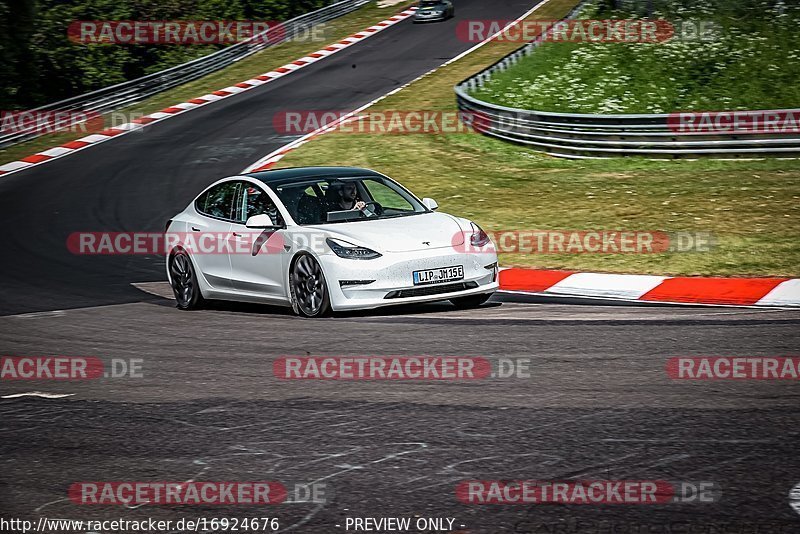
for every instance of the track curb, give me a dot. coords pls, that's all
(735, 291)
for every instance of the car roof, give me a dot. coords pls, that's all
(299, 174)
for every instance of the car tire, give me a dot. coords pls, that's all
(308, 287)
(472, 301)
(184, 282)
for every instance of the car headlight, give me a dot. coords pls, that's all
(478, 237)
(343, 249)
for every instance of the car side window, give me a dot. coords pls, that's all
(218, 201)
(252, 200)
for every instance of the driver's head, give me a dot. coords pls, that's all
(348, 191)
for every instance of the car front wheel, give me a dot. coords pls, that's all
(184, 282)
(309, 290)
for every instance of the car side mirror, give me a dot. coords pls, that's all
(261, 221)
(430, 204)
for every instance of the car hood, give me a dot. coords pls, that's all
(402, 234)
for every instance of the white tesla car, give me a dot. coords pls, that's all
(325, 238)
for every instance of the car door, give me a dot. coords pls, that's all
(209, 232)
(258, 255)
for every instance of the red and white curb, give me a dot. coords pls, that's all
(110, 133)
(769, 292)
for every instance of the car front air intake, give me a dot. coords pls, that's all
(430, 290)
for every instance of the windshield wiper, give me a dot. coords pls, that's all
(402, 215)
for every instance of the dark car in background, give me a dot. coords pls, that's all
(434, 10)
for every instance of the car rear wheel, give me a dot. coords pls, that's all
(309, 290)
(184, 282)
(472, 301)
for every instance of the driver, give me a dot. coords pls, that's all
(346, 198)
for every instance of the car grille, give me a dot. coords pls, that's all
(430, 290)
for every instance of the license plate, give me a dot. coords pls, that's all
(437, 276)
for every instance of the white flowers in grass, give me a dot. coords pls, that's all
(656, 77)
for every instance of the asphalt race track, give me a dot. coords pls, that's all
(598, 404)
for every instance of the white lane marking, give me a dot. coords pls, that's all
(39, 315)
(794, 498)
(41, 394)
(58, 313)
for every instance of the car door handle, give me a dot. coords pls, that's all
(195, 229)
(236, 234)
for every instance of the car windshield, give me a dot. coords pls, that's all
(430, 3)
(335, 200)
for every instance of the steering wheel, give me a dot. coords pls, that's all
(377, 209)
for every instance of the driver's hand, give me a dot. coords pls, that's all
(360, 205)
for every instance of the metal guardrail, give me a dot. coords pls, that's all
(124, 94)
(573, 135)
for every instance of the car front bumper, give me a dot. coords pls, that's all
(392, 279)
(429, 18)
